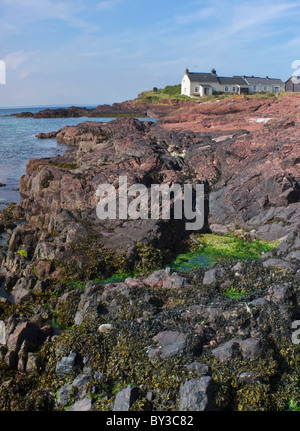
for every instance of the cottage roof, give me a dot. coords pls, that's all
(255, 80)
(202, 77)
(212, 78)
(235, 80)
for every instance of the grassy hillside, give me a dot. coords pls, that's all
(157, 95)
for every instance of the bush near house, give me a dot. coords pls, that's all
(158, 95)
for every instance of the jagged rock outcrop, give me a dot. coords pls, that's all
(253, 145)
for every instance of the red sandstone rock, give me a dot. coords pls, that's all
(29, 332)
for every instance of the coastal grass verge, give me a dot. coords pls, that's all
(156, 96)
(173, 93)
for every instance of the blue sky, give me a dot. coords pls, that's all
(65, 52)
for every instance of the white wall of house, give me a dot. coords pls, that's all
(216, 87)
(186, 86)
(195, 88)
(266, 88)
(205, 90)
(228, 88)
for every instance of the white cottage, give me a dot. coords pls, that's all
(201, 84)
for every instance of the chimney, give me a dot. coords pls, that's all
(267, 77)
(186, 71)
(213, 72)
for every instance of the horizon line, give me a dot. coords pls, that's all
(79, 105)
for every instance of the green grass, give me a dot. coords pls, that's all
(220, 96)
(170, 92)
(173, 92)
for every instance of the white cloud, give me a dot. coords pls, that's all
(239, 26)
(14, 60)
(265, 13)
(24, 12)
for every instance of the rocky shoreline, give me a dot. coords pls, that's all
(132, 108)
(217, 338)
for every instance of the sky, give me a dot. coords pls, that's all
(91, 52)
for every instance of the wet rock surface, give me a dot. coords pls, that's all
(125, 399)
(208, 339)
(197, 395)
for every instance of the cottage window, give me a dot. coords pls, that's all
(254, 87)
(266, 88)
(226, 88)
(233, 89)
(197, 89)
(276, 89)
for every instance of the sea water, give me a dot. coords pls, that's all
(18, 144)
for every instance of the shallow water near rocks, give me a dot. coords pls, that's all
(18, 144)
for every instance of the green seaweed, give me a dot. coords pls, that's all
(65, 165)
(294, 406)
(213, 248)
(23, 253)
(233, 247)
(77, 284)
(232, 293)
(118, 277)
